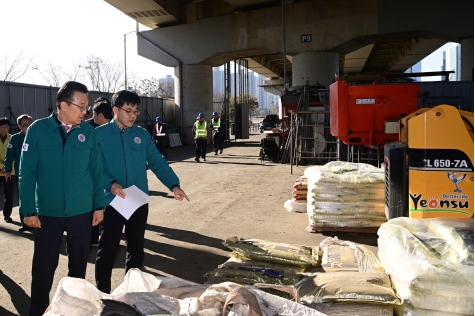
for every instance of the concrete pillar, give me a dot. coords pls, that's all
(197, 94)
(467, 60)
(314, 67)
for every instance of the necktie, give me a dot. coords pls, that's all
(67, 127)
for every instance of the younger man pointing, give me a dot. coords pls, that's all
(126, 150)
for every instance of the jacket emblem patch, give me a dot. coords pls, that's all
(137, 140)
(81, 138)
(10, 146)
(24, 147)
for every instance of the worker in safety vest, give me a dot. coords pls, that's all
(215, 126)
(200, 130)
(159, 136)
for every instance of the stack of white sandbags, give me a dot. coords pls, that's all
(298, 203)
(344, 194)
(431, 264)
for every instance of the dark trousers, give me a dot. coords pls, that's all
(110, 240)
(46, 254)
(18, 195)
(217, 142)
(8, 192)
(201, 147)
(160, 142)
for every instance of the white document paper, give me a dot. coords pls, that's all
(134, 198)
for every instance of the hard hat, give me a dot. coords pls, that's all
(201, 115)
(215, 113)
(159, 118)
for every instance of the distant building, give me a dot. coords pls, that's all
(452, 60)
(218, 81)
(443, 67)
(267, 101)
(168, 79)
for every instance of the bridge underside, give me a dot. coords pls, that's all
(372, 37)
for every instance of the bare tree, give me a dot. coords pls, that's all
(133, 82)
(13, 67)
(75, 74)
(158, 89)
(52, 73)
(104, 75)
(167, 89)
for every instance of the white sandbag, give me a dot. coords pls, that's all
(294, 206)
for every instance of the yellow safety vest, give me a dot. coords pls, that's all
(201, 130)
(215, 124)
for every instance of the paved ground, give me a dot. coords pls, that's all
(232, 194)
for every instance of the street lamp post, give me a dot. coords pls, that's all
(125, 56)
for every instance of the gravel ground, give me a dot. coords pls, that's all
(232, 194)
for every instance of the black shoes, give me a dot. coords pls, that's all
(24, 228)
(197, 159)
(8, 219)
(204, 159)
(221, 151)
(216, 153)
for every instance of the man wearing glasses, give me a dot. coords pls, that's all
(12, 159)
(126, 150)
(60, 183)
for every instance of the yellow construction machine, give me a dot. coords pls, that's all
(429, 173)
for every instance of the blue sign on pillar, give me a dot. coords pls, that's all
(306, 38)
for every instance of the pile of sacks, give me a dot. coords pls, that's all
(431, 264)
(344, 194)
(144, 294)
(260, 261)
(298, 203)
(354, 282)
(350, 279)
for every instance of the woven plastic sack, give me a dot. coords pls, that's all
(352, 309)
(262, 250)
(343, 254)
(360, 287)
(266, 276)
(253, 265)
(426, 259)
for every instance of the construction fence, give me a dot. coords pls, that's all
(40, 101)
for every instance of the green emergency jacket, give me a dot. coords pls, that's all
(14, 152)
(60, 178)
(126, 154)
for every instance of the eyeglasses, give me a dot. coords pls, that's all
(81, 108)
(130, 112)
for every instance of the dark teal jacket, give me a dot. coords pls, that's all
(60, 180)
(14, 152)
(125, 155)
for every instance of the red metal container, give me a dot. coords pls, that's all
(367, 114)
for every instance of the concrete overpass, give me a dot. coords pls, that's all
(359, 39)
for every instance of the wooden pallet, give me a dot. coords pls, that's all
(364, 230)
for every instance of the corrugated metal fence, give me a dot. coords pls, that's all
(456, 93)
(40, 101)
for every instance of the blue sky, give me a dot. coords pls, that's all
(65, 32)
